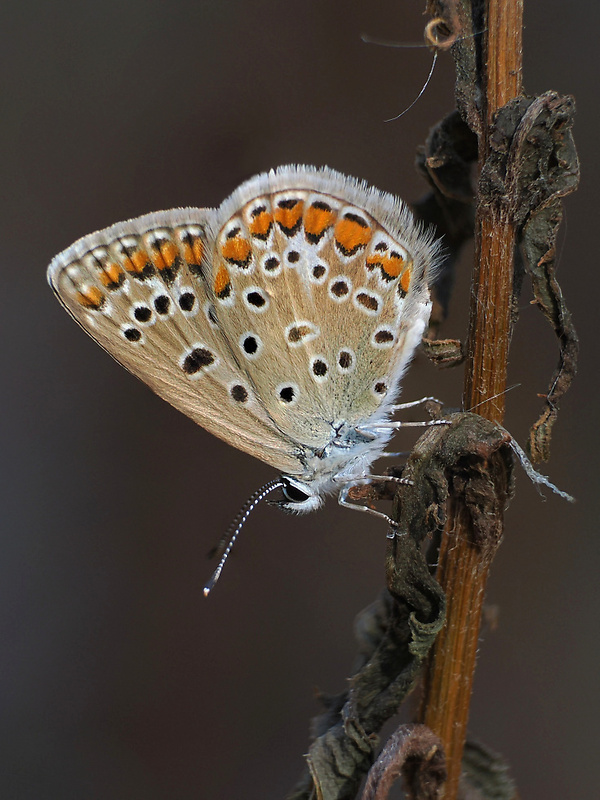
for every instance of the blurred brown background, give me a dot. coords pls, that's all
(118, 680)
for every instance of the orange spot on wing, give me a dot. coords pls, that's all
(111, 275)
(222, 281)
(91, 298)
(317, 220)
(192, 249)
(393, 265)
(163, 253)
(236, 249)
(261, 224)
(169, 252)
(405, 280)
(157, 259)
(138, 260)
(352, 236)
(288, 218)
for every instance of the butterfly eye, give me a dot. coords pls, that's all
(292, 493)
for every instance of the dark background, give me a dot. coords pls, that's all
(117, 679)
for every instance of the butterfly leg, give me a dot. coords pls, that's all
(413, 403)
(382, 478)
(343, 495)
(343, 501)
(381, 428)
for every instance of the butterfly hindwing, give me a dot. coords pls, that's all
(321, 285)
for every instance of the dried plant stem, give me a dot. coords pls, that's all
(463, 565)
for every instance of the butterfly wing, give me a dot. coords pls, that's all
(322, 283)
(292, 308)
(139, 289)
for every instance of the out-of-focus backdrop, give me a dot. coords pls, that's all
(118, 679)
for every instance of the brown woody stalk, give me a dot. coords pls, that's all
(463, 564)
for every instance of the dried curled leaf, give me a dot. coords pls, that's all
(444, 352)
(533, 164)
(469, 456)
(414, 753)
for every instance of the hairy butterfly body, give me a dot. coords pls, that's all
(281, 321)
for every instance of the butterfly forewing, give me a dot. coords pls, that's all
(139, 290)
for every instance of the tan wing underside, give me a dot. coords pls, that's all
(335, 317)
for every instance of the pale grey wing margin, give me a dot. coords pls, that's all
(141, 289)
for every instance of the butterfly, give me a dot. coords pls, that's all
(281, 321)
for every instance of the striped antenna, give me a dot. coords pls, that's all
(237, 525)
